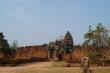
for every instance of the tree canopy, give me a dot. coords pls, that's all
(98, 37)
(97, 40)
(3, 43)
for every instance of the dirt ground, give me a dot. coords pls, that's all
(46, 67)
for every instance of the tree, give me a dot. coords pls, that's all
(97, 39)
(14, 45)
(4, 46)
(109, 42)
(100, 37)
(13, 48)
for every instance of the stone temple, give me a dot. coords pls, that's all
(59, 48)
(68, 42)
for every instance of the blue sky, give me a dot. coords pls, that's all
(33, 22)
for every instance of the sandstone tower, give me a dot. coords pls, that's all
(68, 42)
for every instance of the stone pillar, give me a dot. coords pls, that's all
(85, 65)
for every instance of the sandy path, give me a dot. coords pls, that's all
(46, 67)
(33, 66)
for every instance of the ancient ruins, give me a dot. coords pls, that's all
(62, 49)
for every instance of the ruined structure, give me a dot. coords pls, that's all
(55, 50)
(29, 53)
(59, 49)
(68, 46)
(68, 42)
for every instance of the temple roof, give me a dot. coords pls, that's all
(68, 36)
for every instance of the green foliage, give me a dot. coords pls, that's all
(94, 55)
(97, 39)
(4, 46)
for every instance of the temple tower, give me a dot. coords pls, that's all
(68, 42)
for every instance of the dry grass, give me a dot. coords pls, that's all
(100, 69)
(65, 64)
(60, 64)
(47, 67)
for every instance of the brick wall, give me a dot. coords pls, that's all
(30, 52)
(1, 55)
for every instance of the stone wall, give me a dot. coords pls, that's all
(1, 55)
(77, 54)
(31, 52)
